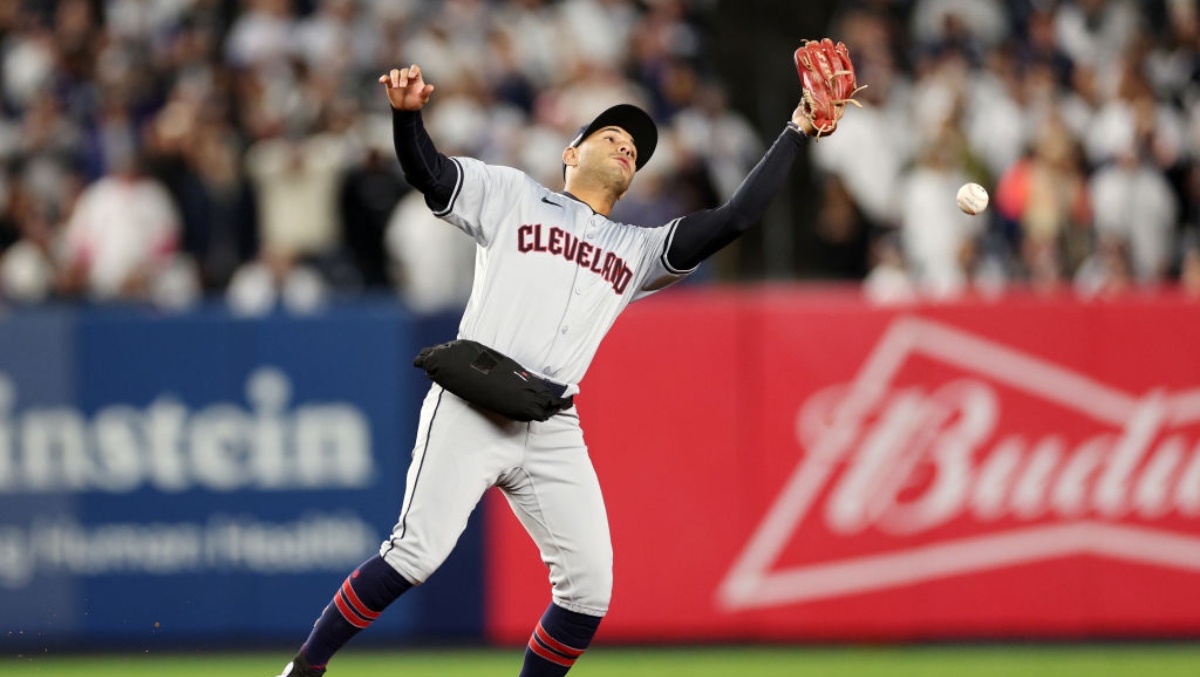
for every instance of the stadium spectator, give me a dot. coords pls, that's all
(934, 232)
(369, 194)
(220, 213)
(28, 267)
(1108, 271)
(889, 281)
(431, 266)
(123, 232)
(1135, 205)
(296, 182)
(1044, 201)
(841, 235)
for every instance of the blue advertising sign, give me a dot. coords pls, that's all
(203, 477)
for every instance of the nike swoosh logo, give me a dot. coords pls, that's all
(549, 202)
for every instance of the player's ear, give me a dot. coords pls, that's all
(570, 156)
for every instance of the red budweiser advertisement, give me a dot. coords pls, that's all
(784, 465)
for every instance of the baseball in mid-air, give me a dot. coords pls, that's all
(972, 198)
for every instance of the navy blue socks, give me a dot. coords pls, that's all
(559, 639)
(557, 642)
(360, 600)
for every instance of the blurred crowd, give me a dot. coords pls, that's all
(1081, 117)
(171, 150)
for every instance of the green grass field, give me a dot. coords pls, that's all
(1139, 660)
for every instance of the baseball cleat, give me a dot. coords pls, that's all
(299, 667)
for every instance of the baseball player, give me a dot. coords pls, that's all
(552, 273)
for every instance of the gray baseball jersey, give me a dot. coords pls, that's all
(551, 277)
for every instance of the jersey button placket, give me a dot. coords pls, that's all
(577, 284)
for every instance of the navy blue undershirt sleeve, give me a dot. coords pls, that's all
(425, 169)
(701, 234)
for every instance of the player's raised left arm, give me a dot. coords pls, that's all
(829, 83)
(701, 234)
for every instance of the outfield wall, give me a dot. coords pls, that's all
(779, 464)
(204, 478)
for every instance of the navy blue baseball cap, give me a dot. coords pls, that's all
(633, 120)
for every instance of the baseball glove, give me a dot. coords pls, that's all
(827, 75)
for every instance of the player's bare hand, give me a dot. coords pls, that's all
(406, 89)
(800, 117)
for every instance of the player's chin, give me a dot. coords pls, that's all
(621, 184)
(619, 180)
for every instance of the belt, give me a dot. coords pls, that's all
(556, 389)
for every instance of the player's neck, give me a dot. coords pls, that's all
(600, 199)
